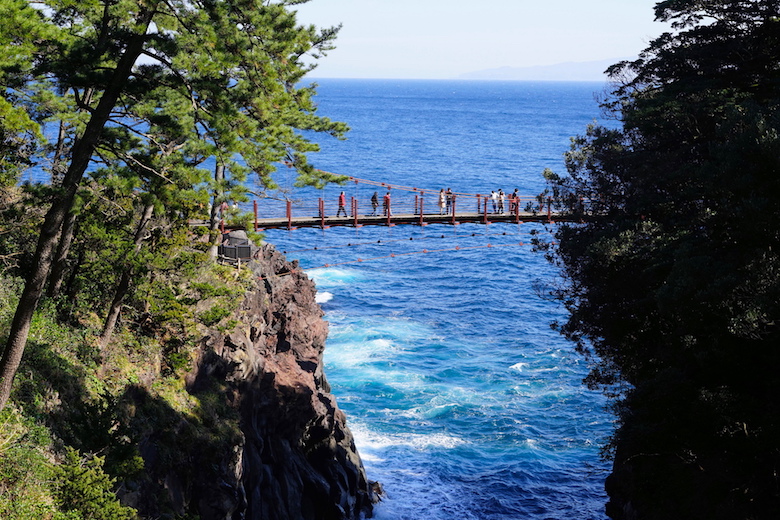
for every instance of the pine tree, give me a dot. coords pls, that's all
(153, 92)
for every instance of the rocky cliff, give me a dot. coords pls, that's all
(291, 455)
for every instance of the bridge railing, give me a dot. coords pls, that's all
(406, 208)
(405, 204)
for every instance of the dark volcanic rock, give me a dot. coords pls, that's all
(294, 457)
(300, 461)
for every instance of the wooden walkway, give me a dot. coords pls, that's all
(294, 222)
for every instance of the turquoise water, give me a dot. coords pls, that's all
(464, 403)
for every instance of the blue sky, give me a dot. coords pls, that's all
(442, 39)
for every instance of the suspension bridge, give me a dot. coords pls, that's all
(391, 205)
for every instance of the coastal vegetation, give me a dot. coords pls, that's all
(673, 276)
(133, 118)
(78, 412)
(146, 115)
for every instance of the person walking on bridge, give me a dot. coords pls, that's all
(374, 203)
(342, 204)
(442, 201)
(387, 204)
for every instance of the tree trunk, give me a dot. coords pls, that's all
(70, 291)
(124, 281)
(214, 235)
(59, 169)
(61, 206)
(116, 306)
(59, 262)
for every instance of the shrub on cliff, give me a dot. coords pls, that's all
(33, 487)
(83, 487)
(26, 473)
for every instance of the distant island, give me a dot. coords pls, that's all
(569, 71)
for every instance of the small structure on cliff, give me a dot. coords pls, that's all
(236, 247)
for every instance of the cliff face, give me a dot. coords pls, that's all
(294, 457)
(299, 458)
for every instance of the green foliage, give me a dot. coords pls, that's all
(19, 218)
(85, 488)
(25, 471)
(105, 403)
(214, 315)
(9, 292)
(208, 290)
(223, 92)
(673, 277)
(32, 487)
(20, 134)
(18, 140)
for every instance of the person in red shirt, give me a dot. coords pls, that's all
(387, 204)
(342, 204)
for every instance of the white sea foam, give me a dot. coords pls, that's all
(430, 411)
(373, 444)
(370, 457)
(373, 344)
(446, 399)
(334, 276)
(412, 488)
(323, 297)
(380, 343)
(399, 330)
(353, 353)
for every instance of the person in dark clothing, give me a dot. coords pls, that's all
(374, 203)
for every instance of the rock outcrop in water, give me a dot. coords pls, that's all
(294, 457)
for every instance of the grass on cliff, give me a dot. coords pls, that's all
(72, 432)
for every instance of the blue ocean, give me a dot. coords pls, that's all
(464, 403)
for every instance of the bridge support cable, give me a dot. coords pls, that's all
(395, 255)
(387, 242)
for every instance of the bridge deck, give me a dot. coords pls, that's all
(406, 206)
(408, 218)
